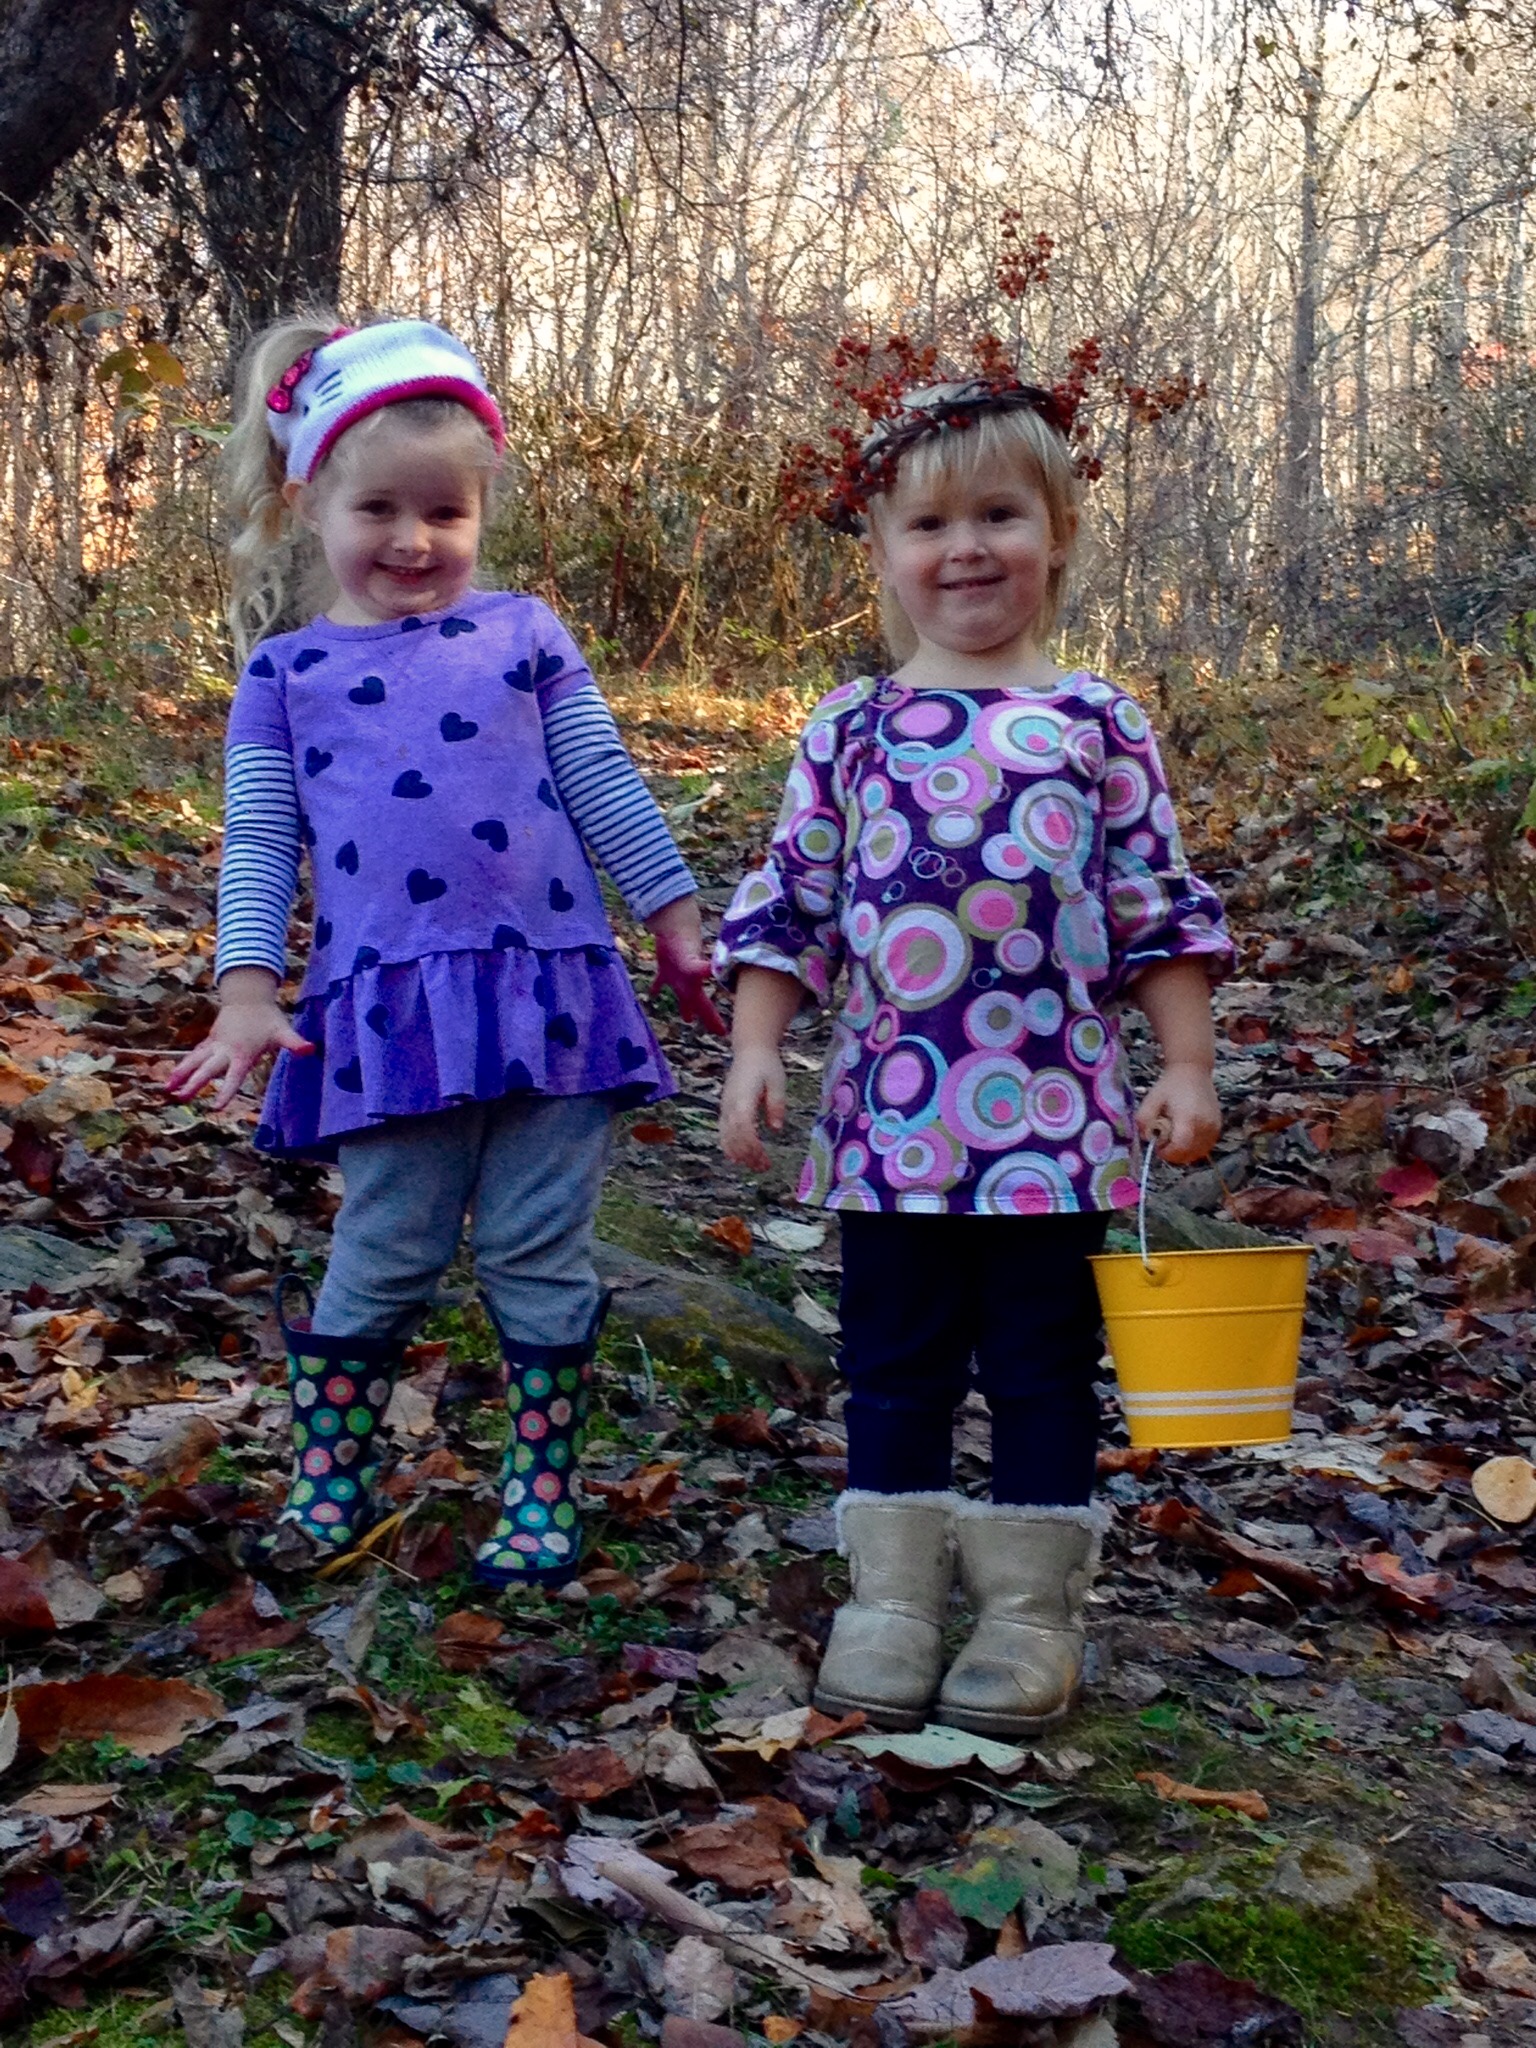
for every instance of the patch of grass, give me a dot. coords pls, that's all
(474, 1723)
(637, 1227)
(1356, 1962)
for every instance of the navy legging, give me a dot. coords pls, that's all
(929, 1300)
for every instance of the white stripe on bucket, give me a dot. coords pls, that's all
(1210, 1401)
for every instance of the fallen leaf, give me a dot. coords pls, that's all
(697, 1981)
(1062, 1981)
(778, 2028)
(545, 2016)
(930, 1931)
(246, 1620)
(147, 1715)
(1195, 2005)
(735, 1233)
(643, 1497)
(653, 1134)
(745, 1851)
(1256, 1663)
(24, 1608)
(680, 2032)
(1021, 1864)
(1275, 1207)
(1253, 1804)
(1492, 1902)
(1506, 1489)
(360, 1964)
(65, 1802)
(467, 1641)
(1411, 1186)
(1420, 1593)
(589, 1772)
(797, 1728)
(787, 1234)
(939, 1749)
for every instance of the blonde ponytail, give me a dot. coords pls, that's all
(273, 559)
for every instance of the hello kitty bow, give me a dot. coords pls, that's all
(359, 370)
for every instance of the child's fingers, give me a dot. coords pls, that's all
(290, 1041)
(195, 1072)
(706, 1015)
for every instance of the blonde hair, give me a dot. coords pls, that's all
(277, 568)
(1023, 441)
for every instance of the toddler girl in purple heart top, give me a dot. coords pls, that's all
(465, 1029)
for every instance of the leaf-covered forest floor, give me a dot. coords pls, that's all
(276, 1810)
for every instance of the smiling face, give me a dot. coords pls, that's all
(398, 508)
(969, 554)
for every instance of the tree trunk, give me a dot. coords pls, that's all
(1301, 464)
(58, 80)
(266, 120)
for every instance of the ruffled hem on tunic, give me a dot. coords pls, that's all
(450, 1028)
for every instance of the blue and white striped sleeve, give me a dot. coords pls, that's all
(612, 808)
(259, 873)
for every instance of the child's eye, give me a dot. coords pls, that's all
(998, 513)
(927, 522)
(376, 508)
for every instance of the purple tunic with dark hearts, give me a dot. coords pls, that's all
(461, 949)
(993, 868)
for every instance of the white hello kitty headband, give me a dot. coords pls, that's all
(358, 370)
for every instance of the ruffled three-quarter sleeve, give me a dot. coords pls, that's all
(1158, 908)
(786, 914)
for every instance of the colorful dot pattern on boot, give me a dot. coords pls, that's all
(538, 1534)
(336, 1445)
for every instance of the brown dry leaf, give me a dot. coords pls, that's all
(545, 2016)
(734, 1232)
(643, 1497)
(361, 1965)
(931, 1932)
(246, 1620)
(588, 1773)
(798, 1728)
(697, 1981)
(65, 1802)
(1253, 1804)
(745, 1852)
(1506, 1489)
(653, 1134)
(1420, 1593)
(385, 1718)
(147, 1715)
(467, 1641)
(24, 1609)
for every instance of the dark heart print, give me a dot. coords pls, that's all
(493, 832)
(543, 992)
(452, 628)
(346, 857)
(377, 1021)
(562, 1029)
(505, 937)
(517, 1075)
(413, 625)
(547, 796)
(452, 727)
(262, 666)
(369, 691)
(317, 760)
(522, 677)
(560, 898)
(423, 887)
(631, 1055)
(323, 930)
(307, 657)
(365, 957)
(412, 783)
(307, 833)
(350, 1077)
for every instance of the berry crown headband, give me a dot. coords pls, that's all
(906, 404)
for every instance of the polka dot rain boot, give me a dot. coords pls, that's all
(339, 1388)
(537, 1537)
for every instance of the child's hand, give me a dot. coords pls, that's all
(755, 1083)
(251, 1023)
(682, 962)
(1183, 1102)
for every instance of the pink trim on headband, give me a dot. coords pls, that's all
(479, 402)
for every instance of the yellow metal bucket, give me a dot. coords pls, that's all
(1205, 1344)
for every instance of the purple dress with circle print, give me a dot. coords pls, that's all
(993, 868)
(461, 949)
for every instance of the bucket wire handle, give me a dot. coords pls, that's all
(1161, 1130)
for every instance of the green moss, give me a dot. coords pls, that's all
(473, 1723)
(136, 2020)
(335, 1732)
(1355, 1962)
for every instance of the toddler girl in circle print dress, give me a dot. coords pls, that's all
(465, 1029)
(984, 848)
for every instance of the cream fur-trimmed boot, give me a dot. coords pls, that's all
(1027, 1571)
(884, 1656)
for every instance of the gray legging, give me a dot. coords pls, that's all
(529, 1167)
